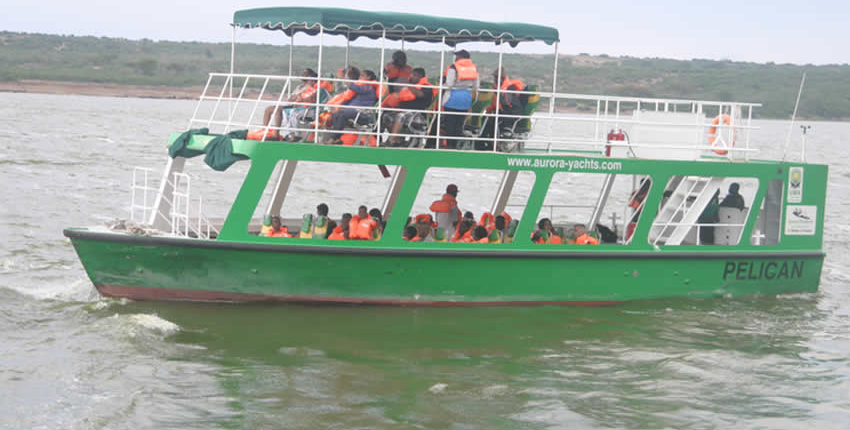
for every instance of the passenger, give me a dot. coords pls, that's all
(414, 98)
(462, 80)
(380, 224)
(362, 226)
(469, 216)
(545, 226)
(581, 236)
(487, 221)
(500, 225)
(509, 104)
(370, 77)
(277, 230)
(359, 94)
(423, 229)
(345, 225)
(411, 234)
(464, 232)
(480, 235)
(709, 215)
(733, 199)
(322, 210)
(397, 70)
(296, 108)
(331, 228)
(446, 212)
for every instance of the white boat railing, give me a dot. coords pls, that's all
(650, 127)
(181, 221)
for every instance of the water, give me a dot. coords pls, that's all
(70, 359)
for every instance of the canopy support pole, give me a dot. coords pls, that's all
(392, 193)
(505, 189)
(291, 42)
(230, 108)
(281, 187)
(380, 83)
(319, 83)
(552, 98)
(440, 95)
(347, 49)
(498, 97)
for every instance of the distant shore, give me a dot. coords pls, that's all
(101, 89)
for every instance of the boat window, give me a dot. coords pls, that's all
(767, 230)
(703, 210)
(591, 208)
(296, 189)
(491, 199)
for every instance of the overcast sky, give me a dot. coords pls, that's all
(782, 31)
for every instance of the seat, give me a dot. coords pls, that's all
(306, 227)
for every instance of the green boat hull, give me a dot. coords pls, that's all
(155, 268)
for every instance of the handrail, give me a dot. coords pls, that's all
(614, 112)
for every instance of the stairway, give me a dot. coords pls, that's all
(691, 194)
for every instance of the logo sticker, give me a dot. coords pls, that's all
(800, 220)
(795, 185)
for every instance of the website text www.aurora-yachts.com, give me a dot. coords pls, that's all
(561, 164)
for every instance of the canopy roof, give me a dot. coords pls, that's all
(410, 27)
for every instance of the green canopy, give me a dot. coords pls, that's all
(410, 27)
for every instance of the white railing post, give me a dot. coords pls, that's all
(440, 94)
(380, 90)
(319, 84)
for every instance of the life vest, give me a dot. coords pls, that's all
(416, 239)
(638, 196)
(309, 94)
(362, 228)
(482, 240)
(554, 239)
(283, 232)
(395, 72)
(586, 239)
(466, 70)
(427, 219)
(445, 204)
(465, 238)
(337, 234)
(407, 98)
(507, 218)
(487, 221)
(506, 86)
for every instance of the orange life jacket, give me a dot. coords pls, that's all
(427, 218)
(555, 239)
(364, 229)
(309, 94)
(337, 234)
(283, 232)
(506, 86)
(465, 238)
(445, 204)
(507, 218)
(483, 240)
(394, 71)
(586, 239)
(466, 70)
(487, 221)
(416, 239)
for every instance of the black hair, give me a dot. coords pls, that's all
(399, 57)
(376, 213)
(410, 232)
(310, 73)
(322, 209)
(502, 219)
(462, 53)
(468, 214)
(353, 73)
(370, 75)
(346, 215)
(542, 222)
(480, 232)
(420, 71)
(331, 226)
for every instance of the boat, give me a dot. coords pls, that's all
(669, 190)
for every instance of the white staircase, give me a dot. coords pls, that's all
(691, 194)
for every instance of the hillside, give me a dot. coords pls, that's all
(181, 64)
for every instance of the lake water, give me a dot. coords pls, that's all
(70, 359)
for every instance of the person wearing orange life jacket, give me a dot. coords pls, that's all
(488, 221)
(410, 234)
(446, 212)
(461, 78)
(341, 232)
(398, 70)
(277, 229)
(508, 103)
(414, 98)
(545, 229)
(296, 107)
(480, 235)
(463, 233)
(581, 236)
(362, 226)
(361, 94)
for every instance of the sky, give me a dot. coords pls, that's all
(780, 31)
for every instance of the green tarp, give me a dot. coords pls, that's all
(219, 151)
(410, 27)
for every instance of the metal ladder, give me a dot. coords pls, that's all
(682, 210)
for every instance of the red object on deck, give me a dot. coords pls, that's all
(615, 135)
